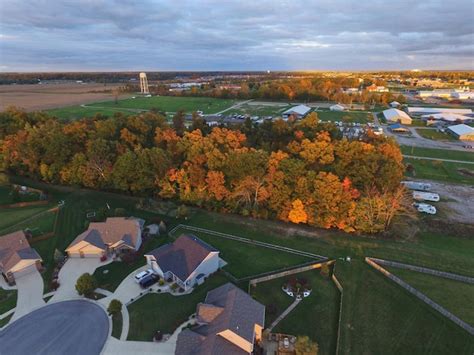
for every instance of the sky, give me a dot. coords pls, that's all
(113, 35)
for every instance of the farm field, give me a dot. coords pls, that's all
(455, 296)
(437, 153)
(441, 170)
(170, 104)
(349, 116)
(48, 96)
(379, 315)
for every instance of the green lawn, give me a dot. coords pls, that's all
(11, 218)
(455, 296)
(438, 153)
(5, 320)
(117, 323)
(435, 135)
(38, 225)
(170, 104)
(258, 110)
(317, 315)
(7, 300)
(165, 312)
(441, 170)
(349, 116)
(245, 259)
(117, 271)
(77, 112)
(442, 251)
(379, 317)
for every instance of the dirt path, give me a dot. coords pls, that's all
(448, 160)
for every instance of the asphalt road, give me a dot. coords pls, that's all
(69, 327)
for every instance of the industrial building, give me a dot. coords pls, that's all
(462, 132)
(296, 111)
(434, 110)
(394, 115)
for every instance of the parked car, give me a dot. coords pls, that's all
(143, 274)
(425, 208)
(149, 280)
(286, 343)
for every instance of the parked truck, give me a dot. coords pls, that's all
(413, 185)
(425, 196)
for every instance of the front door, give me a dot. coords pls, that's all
(81, 254)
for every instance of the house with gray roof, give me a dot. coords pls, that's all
(188, 261)
(115, 235)
(17, 257)
(229, 321)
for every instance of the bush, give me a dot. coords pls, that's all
(161, 282)
(120, 212)
(86, 284)
(103, 258)
(174, 286)
(115, 307)
(325, 270)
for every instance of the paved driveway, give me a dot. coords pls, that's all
(30, 293)
(71, 327)
(70, 272)
(118, 347)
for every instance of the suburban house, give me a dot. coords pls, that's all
(115, 235)
(187, 261)
(462, 132)
(394, 115)
(17, 257)
(228, 322)
(337, 107)
(296, 111)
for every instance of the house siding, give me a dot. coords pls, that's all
(207, 267)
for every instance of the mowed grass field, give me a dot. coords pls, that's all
(433, 134)
(258, 110)
(245, 259)
(316, 316)
(345, 116)
(170, 104)
(461, 173)
(453, 295)
(129, 106)
(438, 153)
(76, 112)
(379, 317)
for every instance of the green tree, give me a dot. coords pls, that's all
(86, 284)
(305, 346)
(178, 122)
(115, 307)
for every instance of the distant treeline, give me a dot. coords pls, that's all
(298, 171)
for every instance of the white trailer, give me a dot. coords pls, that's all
(425, 208)
(425, 196)
(413, 185)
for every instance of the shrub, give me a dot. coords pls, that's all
(103, 258)
(120, 212)
(161, 282)
(115, 307)
(86, 284)
(174, 286)
(325, 270)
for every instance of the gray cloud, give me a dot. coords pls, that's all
(226, 35)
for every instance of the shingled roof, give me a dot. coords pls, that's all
(14, 247)
(225, 308)
(113, 230)
(182, 256)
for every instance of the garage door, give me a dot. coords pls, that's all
(25, 271)
(84, 255)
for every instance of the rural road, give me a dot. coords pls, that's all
(447, 160)
(70, 327)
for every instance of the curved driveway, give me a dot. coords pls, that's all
(69, 327)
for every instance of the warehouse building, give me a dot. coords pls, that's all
(462, 132)
(393, 115)
(296, 111)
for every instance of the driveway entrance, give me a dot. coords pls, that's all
(30, 292)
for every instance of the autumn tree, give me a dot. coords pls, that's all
(305, 346)
(297, 213)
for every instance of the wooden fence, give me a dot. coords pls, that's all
(341, 291)
(421, 296)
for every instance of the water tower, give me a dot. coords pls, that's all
(144, 84)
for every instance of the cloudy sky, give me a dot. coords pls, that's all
(57, 35)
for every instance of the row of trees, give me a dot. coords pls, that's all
(302, 171)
